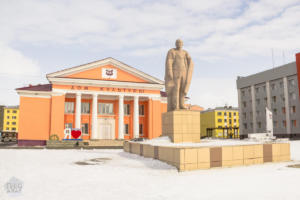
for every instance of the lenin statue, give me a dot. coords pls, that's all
(178, 75)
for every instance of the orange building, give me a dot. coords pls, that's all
(106, 99)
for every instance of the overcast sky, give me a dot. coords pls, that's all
(225, 38)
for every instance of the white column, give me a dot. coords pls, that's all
(136, 117)
(121, 117)
(78, 111)
(287, 106)
(94, 116)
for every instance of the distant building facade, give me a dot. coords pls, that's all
(277, 89)
(10, 119)
(1, 116)
(221, 122)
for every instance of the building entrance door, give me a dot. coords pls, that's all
(106, 128)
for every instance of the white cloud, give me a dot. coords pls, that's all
(213, 32)
(16, 70)
(213, 92)
(14, 63)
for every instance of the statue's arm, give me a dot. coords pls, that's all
(169, 70)
(189, 59)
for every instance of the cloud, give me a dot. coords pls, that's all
(14, 63)
(232, 37)
(16, 70)
(213, 92)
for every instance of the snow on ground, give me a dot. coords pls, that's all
(207, 142)
(53, 174)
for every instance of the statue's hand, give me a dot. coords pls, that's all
(170, 76)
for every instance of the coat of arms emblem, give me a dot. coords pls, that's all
(109, 72)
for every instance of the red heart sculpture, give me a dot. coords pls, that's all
(76, 133)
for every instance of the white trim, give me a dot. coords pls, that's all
(104, 62)
(156, 96)
(34, 96)
(105, 83)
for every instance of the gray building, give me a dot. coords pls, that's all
(277, 89)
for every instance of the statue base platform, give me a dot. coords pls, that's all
(181, 125)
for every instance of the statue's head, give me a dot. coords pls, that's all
(179, 44)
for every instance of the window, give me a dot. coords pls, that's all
(85, 107)
(266, 100)
(291, 82)
(13, 123)
(219, 120)
(273, 86)
(275, 111)
(14, 117)
(105, 108)
(7, 123)
(85, 128)
(7, 129)
(245, 125)
(225, 113)
(7, 117)
(126, 129)
(141, 110)
(282, 97)
(294, 123)
(284, 124)
(251, 125)
(13, 129)
(258, 113)
(141, 131)
(244, 104)
(69, 107)
(126, 109)
(283, 110)
(293, 95)
(234, 120)
(281, 84)
(225, 120)
(275, 123)
(256, 90)
(257, 101)
(274, 99)
(293, 109)
(230, 121)
(244, 115)
(230, 114)
(68, 125)
(234, 114)
(219, 113)
(8, 111)
(219, 126)
(14, 111)
(259, 124)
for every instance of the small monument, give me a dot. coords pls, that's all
(180, 124)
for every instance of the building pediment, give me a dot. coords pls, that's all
(108, 69)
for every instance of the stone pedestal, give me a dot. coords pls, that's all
(181, 125)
